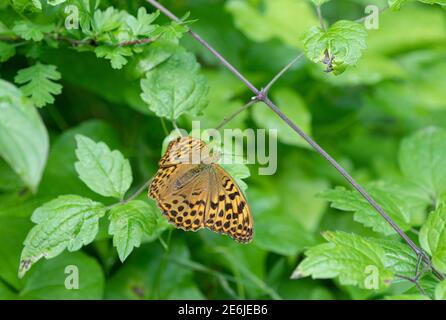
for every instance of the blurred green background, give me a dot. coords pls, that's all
(359, 117)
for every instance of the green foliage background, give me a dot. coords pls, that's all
(75, 101)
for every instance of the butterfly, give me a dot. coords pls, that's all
(195, 192)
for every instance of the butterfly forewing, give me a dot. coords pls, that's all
(194, 194)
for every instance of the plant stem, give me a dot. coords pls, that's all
(321, 19)
(282, 72)
(235, 114)
(261, 96)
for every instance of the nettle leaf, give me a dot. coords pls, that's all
(105, 172)
(433, 237)
(31, 31)
(129, 223)
(116, 55)
(393, 204)
(294, 107)
(340, 46)
(351, 258)
(7, 51)
(440, 291)
(175, 87)
(422, 159)
(67, 222)
(23, 137)
(141, 25)
(38, 83)
(398, 257)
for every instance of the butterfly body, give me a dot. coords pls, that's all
(200, 194)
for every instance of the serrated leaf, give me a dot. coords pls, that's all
(7, 51)
(129, 223)
(175, 87)
(338, 47)
(141, 25)
(422, 159)
(105, 172)
(107, 20)
(67, 222)
(433, 237)
(398, 257)
(23, 137)
(116, 55)
(31, 31)
(38, 83)
(440, 291)
(349, 257)
(294, 107)
(364, 213)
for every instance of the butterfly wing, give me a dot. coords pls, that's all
(228, 211)
(183, 202)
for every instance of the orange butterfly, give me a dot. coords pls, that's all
(194, 192)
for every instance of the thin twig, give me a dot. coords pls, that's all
(262, 97)
(282, 72)
(235, 114)
(321, 19)
(414, 281)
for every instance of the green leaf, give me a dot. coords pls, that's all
(108, 20)
(7, 51)
(349, 257)
(31, 31)
(47, 281)
(38, 83)
(287, 20)
(393, 204)
(281, 234)
(6, 293)
(440, 291)
(13, 230)
(398, 257)
(294, 107)
(116, 55)
(129, 223)
(171, 280)
(141, 25)
(23, 138)
(105, 172)
(422, 159)
(67, 222)
(396, 4)
(433, 237)
(340, 46)
(175, 87)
